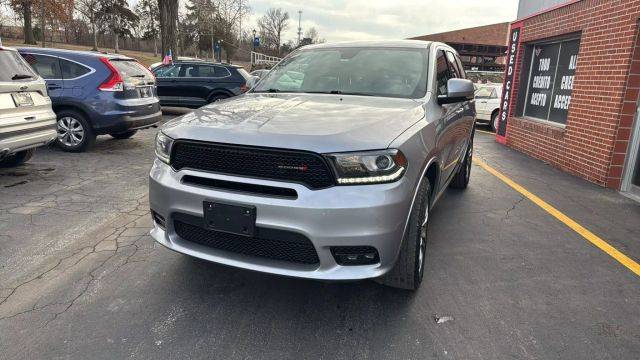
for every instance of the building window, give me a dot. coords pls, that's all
(552, 67)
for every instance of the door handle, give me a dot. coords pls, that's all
(53, 87)
(30, 118)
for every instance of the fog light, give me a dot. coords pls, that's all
(355, 255)
(158, 219)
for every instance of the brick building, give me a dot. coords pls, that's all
(571, 90)
(481, 48)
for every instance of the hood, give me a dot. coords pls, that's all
(315, 122)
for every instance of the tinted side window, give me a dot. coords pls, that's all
(442, 73)
(222, 71)
(453, 65)
(168, 71)
(71, 70)
(46, 66)
(207, 71)
(189, 71)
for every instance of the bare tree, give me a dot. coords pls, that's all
(272, 25)
(24, 9)
(89, 10)
(120, 19)
(168, 26)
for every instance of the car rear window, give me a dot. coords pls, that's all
(14, 68)
(131, 69)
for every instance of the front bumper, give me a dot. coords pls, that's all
(367, 215)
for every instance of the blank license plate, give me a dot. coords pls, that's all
(234, 219)
(22, 99)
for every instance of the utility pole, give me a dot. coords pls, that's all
(299, 26)
(42, 22)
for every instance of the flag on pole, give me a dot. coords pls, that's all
(168, 59)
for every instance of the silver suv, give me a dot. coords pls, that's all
(327, 169)
(26, 118)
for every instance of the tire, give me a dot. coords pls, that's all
(75, 134)
(494, 119)
(218, 97)
(124, 135)
(408, 271)
(462, 177)
(18, 158)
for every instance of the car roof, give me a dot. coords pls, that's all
(418, 44)
(204, 62)
(70, 53)
(6, 48)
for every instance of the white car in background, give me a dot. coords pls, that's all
(488, 104)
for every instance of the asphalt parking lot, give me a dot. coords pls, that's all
(80, 278)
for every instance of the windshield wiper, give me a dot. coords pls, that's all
(267, 91)
(138, 76)
(21, 76)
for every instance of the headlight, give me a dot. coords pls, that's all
(163, 147)
(371, 167)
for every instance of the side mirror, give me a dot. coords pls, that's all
(459, 90)
(253, 80)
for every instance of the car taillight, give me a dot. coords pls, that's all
(114, 82)
(244, 88)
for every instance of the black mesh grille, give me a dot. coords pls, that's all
(265, 163)
(298, 250)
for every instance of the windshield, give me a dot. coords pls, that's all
(14, 68)
(388, 72)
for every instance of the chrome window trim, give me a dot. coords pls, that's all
(91, 70)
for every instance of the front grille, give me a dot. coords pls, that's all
(264, 163)
(290, 247)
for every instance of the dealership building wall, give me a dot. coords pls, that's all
(574, 90)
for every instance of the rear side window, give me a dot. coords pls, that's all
(46, 66)
(213, 71)
(13, 64)
(71, 70)
(131, 69)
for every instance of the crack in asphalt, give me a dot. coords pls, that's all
(114, 235)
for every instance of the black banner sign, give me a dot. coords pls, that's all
(541, 81)
(507, 90)
(564, 81)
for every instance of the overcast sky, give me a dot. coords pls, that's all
(338, 20)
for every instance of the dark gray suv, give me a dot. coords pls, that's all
(327, 169)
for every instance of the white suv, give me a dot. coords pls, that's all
(26, 118)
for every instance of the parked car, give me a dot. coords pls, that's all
(179, 59)
(488, 105)
(26, 118)
(194, 84)
(333, 180)
(95, 94)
